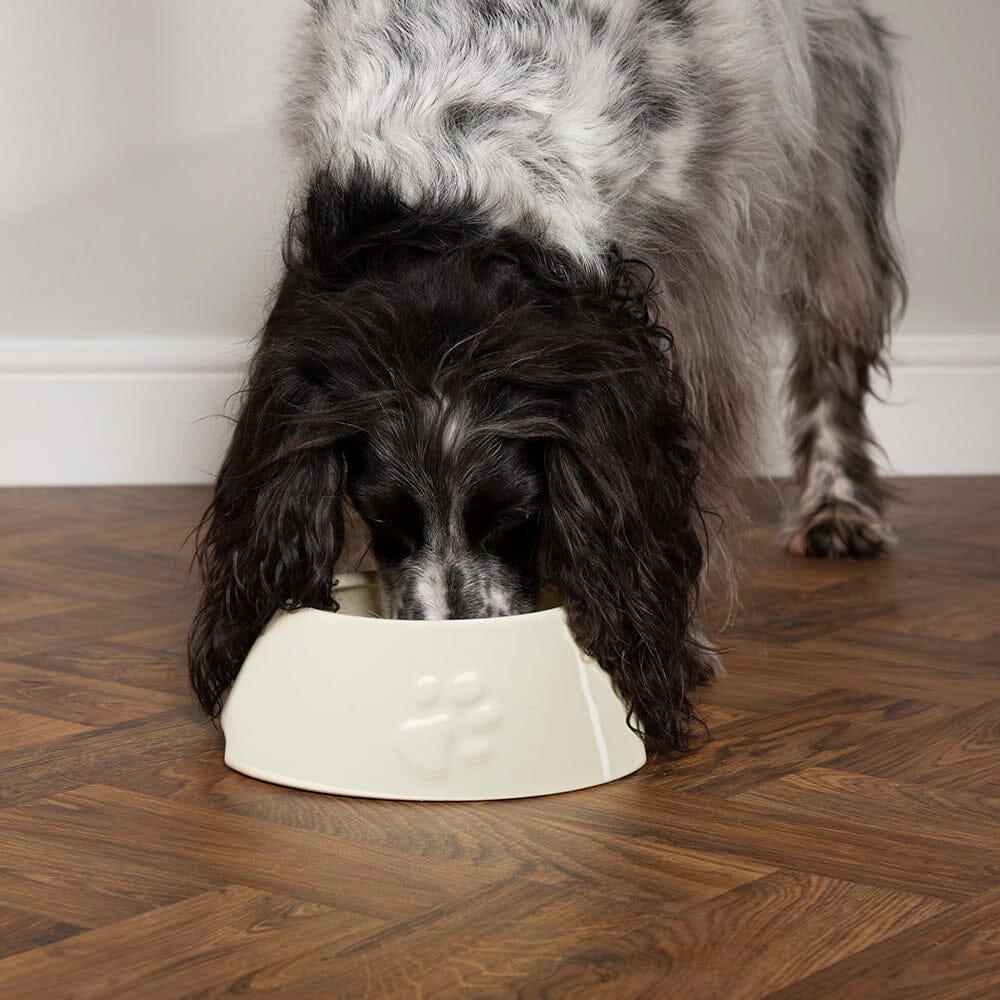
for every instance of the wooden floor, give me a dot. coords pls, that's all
(838, 836)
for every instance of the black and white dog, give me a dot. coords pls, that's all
(539, 248)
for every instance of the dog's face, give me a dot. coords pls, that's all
(453, 509)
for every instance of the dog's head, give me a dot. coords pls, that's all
(453, 507)
(497, 424)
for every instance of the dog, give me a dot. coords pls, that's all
(529, 280)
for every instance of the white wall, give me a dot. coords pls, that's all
(142, 191)
(949, 207)
(140, 183)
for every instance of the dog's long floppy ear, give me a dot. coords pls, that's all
(273, 530)
(622, 539)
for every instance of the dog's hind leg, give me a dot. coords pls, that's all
(846, 293)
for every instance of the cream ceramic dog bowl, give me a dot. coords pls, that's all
(480, 709)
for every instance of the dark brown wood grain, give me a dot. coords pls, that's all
(837, 835)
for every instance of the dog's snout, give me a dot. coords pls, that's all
(459, 597)
(443, 589)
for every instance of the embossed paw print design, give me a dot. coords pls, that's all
(456, 728)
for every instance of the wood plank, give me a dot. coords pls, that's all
(860, 661)
(748, 688)
(825, 795)
(551, 853)
(17, 605)
(480, 834)
(103, 828)
(577, 944)
(97, 703)
(904, 649)
(953, 956)
(97, 571)
(46, 873)
(459, 950)
(807, 732)
(102, 504)
(138, 609)
(83, 758)
(808, 923)
(961, 751)
(167, 640)
(813, 613)
(893, 859)
(118, 661)
(198, 947)
(22, 729)
(21, 931)
(971, 614)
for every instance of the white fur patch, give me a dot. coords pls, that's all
(826, 480)
(431, 591)
(551, 127)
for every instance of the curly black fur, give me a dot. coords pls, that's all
(383, 307)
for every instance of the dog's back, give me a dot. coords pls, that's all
(582, 121)
(690, 134)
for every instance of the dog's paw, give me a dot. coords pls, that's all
(839, 530)
(456, 727)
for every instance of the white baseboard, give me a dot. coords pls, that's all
(939, 416)
(148, 410)
(115, 411)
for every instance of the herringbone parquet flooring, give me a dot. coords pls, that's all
(838, 835)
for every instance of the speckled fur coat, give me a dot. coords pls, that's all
(745, 149)
(539, 252)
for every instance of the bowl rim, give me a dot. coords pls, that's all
(365, 578)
